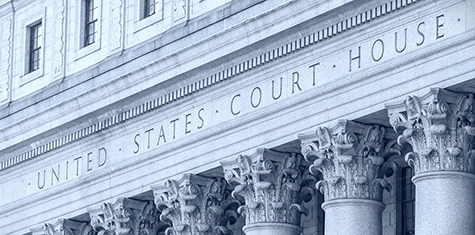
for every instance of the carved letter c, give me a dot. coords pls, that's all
(232, 102)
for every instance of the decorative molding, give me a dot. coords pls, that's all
(179, 9)
(115, 40)
(64, 227)
(126, 217)
(274, 186)
(230, 72)
(440, 128)
(58, 63)
(351, 159)
(196, 205)
(7, 27)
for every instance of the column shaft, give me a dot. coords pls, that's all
(274, 187)
(445, 203)
(353, 217)
(272, 229)
(440, 127)
(351, 159)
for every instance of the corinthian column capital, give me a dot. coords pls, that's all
(126, 217)
(351, 158)
(64, 227)
(196, 205)
(273, 186)
(440, 127)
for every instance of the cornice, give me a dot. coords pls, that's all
(6, 8)
(243, 67)
(2, 2)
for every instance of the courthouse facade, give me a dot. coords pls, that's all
(252, 117)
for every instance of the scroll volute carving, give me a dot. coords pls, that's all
(440, 127)
(351, 158)
(273, 185)
(196, 205)
(126, 217)
(64, 227)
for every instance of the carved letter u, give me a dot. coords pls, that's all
(280, 90)
(44, 178)
(405, 41)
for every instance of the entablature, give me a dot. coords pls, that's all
(281, 97)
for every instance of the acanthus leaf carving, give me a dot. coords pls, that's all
(440, 130)
(64, 227)
(271, 184)
(196, 205)
(351, 159)
(126, 217)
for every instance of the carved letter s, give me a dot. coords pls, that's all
(137, 143)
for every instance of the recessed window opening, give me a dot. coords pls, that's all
(35, 47)
(91, 23)
(151, 6)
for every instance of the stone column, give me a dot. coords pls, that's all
(196, 205)
(440, 127)
(273, 186)
(351, 159)
(126, 217)
(64, 227)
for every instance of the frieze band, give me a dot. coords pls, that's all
(241, 102)
(267, 57)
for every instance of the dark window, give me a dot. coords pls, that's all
(408, 201)
(151, 6)
(91, 21)
(35, 47)
(321, 214)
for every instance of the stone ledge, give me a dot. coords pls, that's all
(237, 69)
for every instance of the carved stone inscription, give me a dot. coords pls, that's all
(294, 81)
(275, 86)
(66, 170)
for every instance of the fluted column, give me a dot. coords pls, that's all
(196, 205)
(440, 127)
(64, 227)
(273, 186)
(126, 217)
(351, 159)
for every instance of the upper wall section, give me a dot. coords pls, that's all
(77, 80)
(120, 25)
(159, 110)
